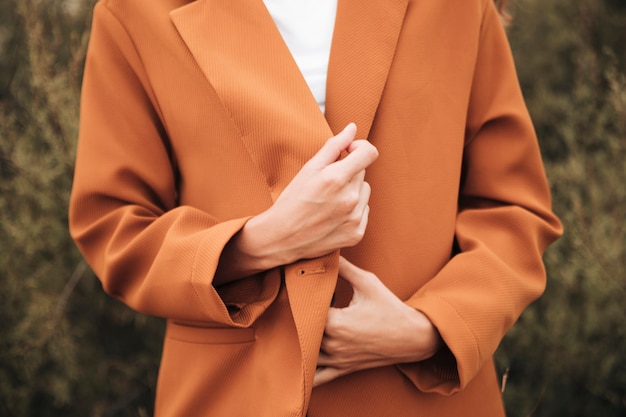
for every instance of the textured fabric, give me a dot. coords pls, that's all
(195, 117)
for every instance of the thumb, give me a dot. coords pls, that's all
(362, 281)
(334, 147)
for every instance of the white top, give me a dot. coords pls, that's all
(307, 28)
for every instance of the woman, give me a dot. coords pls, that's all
(220, 184)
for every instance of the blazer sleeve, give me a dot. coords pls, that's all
(503, 225)
(154, 255)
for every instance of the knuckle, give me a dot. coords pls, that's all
(350, 201)
(358, 231)
(334, 326)
(355, 239)
(367, 188)
(329, 347)
(369, 151)
(331, 323)
(373, 151)
(353, 222)
(330, 181)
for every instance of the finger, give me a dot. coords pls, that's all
(364, 220)
(323, 359)
(359, 216)
(332, 149)
(365, 192)
(324, 375)
(363, 154)
(358, 178)
(355, 144)
(362, 281)
(355, 193)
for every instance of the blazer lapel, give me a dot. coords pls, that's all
(364, 43)
(241, 52)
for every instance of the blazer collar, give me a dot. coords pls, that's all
(241, 52)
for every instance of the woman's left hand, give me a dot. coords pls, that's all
(376, 329)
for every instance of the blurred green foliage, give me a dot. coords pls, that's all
(566, 356)
(66, 349)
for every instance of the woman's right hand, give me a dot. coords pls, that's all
(324, 208)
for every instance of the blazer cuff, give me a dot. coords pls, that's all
(457, 362)
(238, 303)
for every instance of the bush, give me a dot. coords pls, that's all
(69, 350)
(565, 356)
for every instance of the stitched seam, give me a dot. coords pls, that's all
(233, 120)
(483, 19)
(466, 325)
(210, 343)
(193, 276)
(156, 105)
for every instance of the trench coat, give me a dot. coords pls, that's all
(194, 118)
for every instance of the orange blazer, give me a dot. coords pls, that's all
(195, 117)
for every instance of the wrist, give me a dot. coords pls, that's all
(431, 340)
(250, 251)
(261, 244)
(424, 339)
